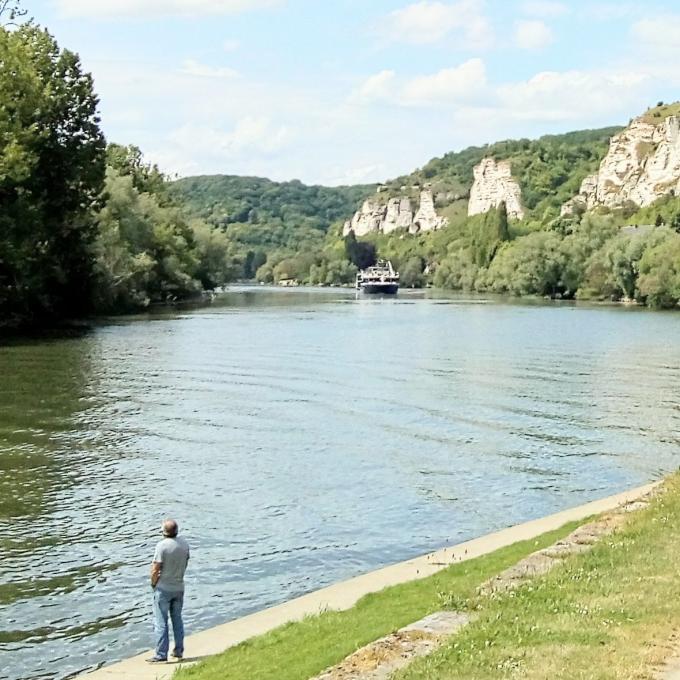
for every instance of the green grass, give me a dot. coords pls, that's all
(657, 114)
(298, 651)
(605, 614)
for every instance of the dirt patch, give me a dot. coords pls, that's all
(380, 659)
(580, 540)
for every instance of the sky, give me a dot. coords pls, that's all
(351, 91)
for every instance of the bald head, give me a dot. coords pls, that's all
(170, 528)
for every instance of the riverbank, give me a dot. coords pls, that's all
(302, 637)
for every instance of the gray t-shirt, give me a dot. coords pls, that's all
(173, 554)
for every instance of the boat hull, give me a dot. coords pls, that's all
(379, 288)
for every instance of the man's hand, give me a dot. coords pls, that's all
(155, 573)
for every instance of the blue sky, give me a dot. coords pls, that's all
(347, 91)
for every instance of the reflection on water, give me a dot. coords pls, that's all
(302, 437)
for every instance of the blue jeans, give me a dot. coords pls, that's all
(165, 603)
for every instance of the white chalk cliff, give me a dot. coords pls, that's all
(493, 185)
(642, 164)
(397, 213)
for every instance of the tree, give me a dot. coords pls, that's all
(589, 235)
(411, 273)
(51, 174)
(129, 161)
(213, 250)
(490, 234)
(10, 12)
(457, 271)
(146, 252)
(613, 270)
(501, 223)
(530, 265)
(659, 280)
(340, 272)
(253, 261)
(360, 253)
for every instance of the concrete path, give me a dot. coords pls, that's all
(344, 595)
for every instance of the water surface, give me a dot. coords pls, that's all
(301, 438)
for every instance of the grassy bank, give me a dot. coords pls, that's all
(301, 650)
(605, 614)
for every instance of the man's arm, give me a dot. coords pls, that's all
(155, 573)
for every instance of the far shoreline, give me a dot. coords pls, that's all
(77, 327)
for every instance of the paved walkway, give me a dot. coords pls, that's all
(344, 595)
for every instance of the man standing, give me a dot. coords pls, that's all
(167, 580)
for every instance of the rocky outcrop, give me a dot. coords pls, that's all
(642, 164)
(397, 213)
(494, 185)
(579, 203)
(426, 218)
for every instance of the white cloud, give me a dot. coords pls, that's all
(192, 67)
(448, 85)
(571, 95)
(366, 174)
(544, 8)
(430, 21)
(375, 87)
(661, 33)
(231, 45)
(158, 8)
(532, 35)
(254, 134)
(611, 11)
(455, 84)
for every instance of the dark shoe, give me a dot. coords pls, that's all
(155, 659)
(175, 655)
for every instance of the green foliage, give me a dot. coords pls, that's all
(260, 215)
(361, 254)
(216, 265)
(457, 271)
(531, 265)
(51, 173)
(613, 270)
(664, 211)
(490, 233)
(153, 249)
(253, 261)
(412, 273)
(550, 169)
(128, 161)
(659, 279)
(585, 238)
(332, 273)
(147, 252)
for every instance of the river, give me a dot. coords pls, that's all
(302, 437)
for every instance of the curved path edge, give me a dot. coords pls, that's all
(345, 594)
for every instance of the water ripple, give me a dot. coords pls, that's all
(301, 439)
